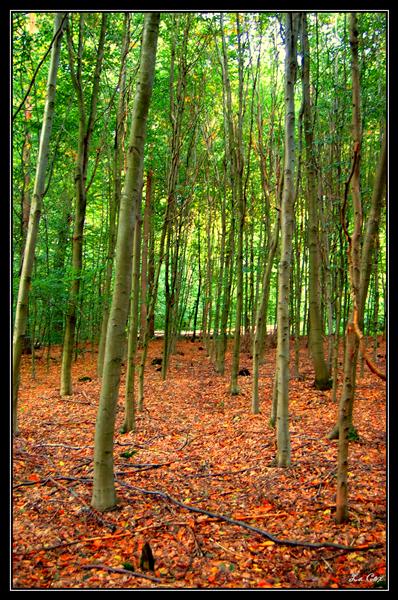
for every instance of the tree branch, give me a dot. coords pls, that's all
(123, 572)
(39, 66)
(261, 532)
(362, 346)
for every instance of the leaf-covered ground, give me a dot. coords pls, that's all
(202, 447)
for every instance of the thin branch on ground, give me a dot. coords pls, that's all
(122, 571)
(262, 532)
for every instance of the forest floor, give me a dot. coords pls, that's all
(202, 447)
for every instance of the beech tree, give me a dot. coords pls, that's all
(35, 212)
(104, 496)
(282, 350)
(261, 221)
(322, 380)
(359, 257)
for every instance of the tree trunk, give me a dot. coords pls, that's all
(34, 217)
(115, 201)
(322, 380)
(104, 496)
(145, 250)
(365, 261)
(85, 134)
(261, 318)
(129, 416)
(240, 199)
(154, 278)
(282, 418)
(350, 363)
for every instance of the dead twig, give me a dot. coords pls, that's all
(63, 446)
(142, 467)
(47, 479)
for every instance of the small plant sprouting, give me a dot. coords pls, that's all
(353, 435)
(128, 453)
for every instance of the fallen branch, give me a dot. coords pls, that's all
(122, 571)
(143, 466)
(47, 479)
(261, 532)
(184, 443)
(63, 446)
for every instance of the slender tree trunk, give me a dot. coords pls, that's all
(34, 217)
(347, 397)
(59, 261)
(145, 250)
(364, 261)
(196, 310)
(104, 496)
(173, 243)
(322, 380)
(148, 333)
(25, 195)
(240, 198)
(129, 416)
(376, 296)
(115, 201)
(207, 308)
(216, 346)
(85, 133)
(282, 419)
(261, 318)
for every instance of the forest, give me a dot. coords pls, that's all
(199, 300)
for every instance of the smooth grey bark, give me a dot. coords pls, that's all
(115, 201)
(104, 495)
(282, 351)
(34, 216)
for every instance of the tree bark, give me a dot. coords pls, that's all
(104, 496)
(354, 250)
(115, 201)
(34, 216)
(282, 418)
